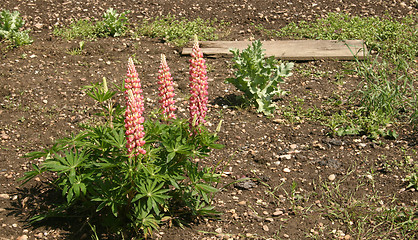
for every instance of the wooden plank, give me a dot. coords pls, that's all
(296, 50)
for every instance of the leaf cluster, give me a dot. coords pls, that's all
(113, 24)
(178, 31)
(259, 77)
(10, 25)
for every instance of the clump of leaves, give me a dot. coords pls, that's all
(178, 31)
(113, 24)
(412, 181)
(259, 77)
(10, 25)
(98, 179)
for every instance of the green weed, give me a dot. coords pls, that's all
(113, 24)
(10, 25)
(179, 31)
(259, 77)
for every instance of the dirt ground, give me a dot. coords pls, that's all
(307, 180)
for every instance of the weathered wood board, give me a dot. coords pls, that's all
(296, 50)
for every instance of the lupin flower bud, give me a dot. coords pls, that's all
(198, 87)
(166, 90)
(133, 114)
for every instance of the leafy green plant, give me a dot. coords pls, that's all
(412, 181)
(178, 31)
(77, 51)
(10, 25)
(258, 77)
(113, 24)
(127, 192)
(81, 29)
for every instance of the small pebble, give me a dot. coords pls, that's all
(23, 237)
(278, 213)
(287, 156)
(266, 228)
(331, 177)
(286, 170)
(4, 195)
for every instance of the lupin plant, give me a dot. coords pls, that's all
(135, 174)
(166, 91)
(198, 87)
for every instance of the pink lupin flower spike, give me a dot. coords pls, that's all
(133, 114)
(198, 87)
(166, 90)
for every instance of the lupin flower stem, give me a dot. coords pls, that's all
(166, 91)
(133, 114)
(198, 88)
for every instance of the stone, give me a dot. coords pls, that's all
(286, 170)
(278, 213)
(331, 177)
(286, 156)
(266, 228)
(4, 196)
(23, 237)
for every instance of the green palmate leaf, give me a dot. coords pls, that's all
(116, 138)
(206, 188)
(46, 153)
(66, 164)
(31, 174)
(153, 193)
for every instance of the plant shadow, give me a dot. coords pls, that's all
(231, 100)
(38, 199)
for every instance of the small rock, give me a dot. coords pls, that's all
(286, 170)
(270, 219)
(278, 120)
(287, 156)
(266, 228)
(39, 25)
(14, 225)
(2, 210)
(362, 145)
(278, 213)
(5, 196)
(245, 185)
(286, 236)
(23, 237)
(4, 136)
(331, 177)
(242, 203)
(218, 230)
(45, 101)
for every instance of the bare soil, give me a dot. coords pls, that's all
(42, 100)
